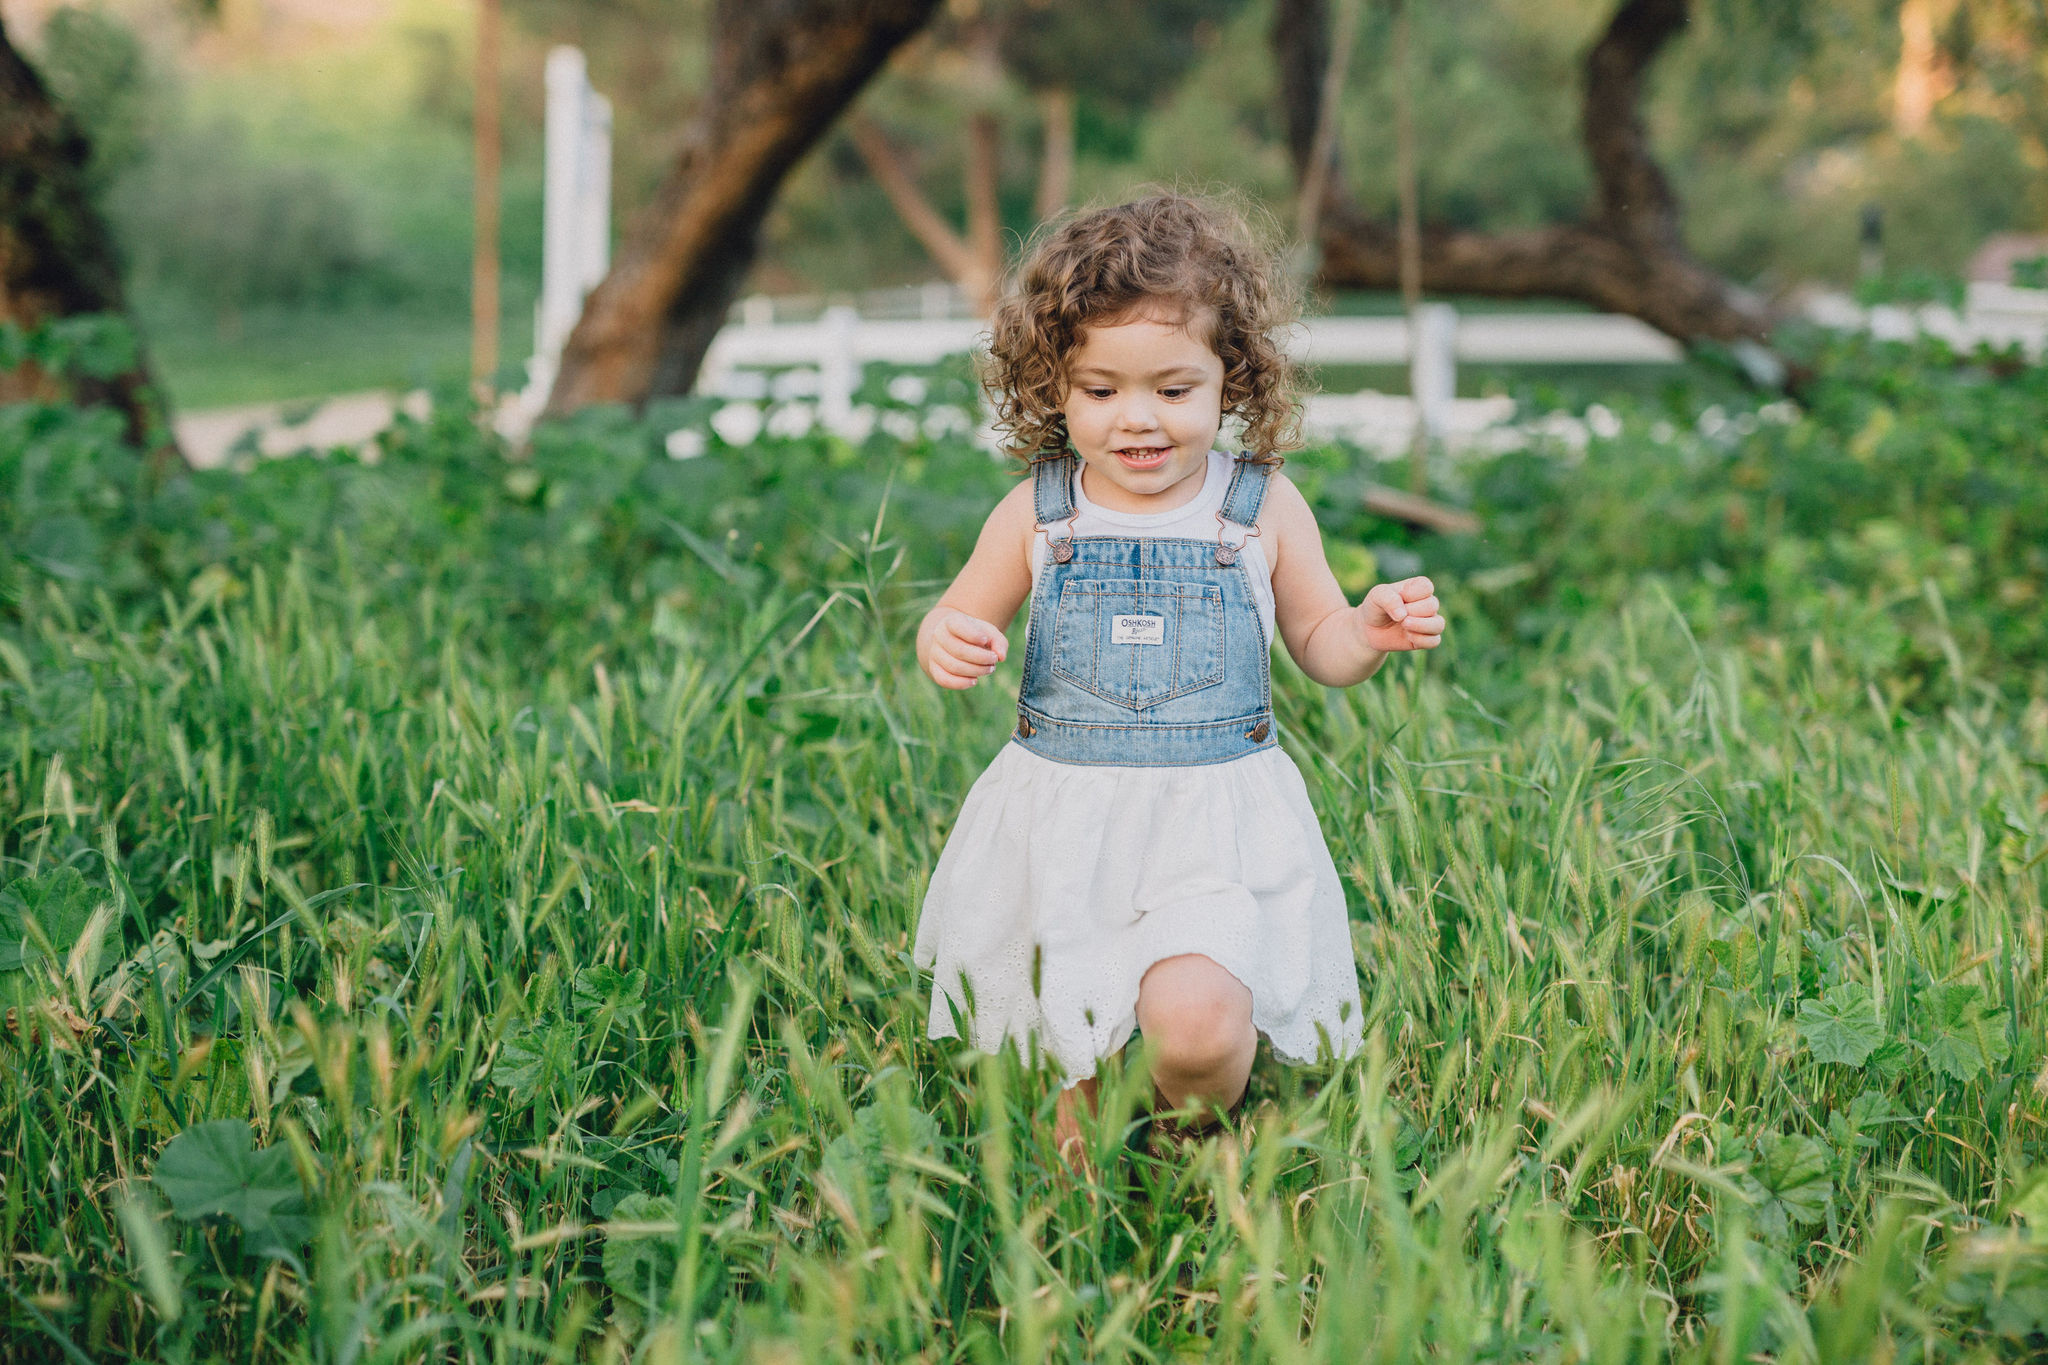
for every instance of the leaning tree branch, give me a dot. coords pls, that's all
(917, 211)
(1627, 256)
(1671, 291)
(783, 70)
(972, 261)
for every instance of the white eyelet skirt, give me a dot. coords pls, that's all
(1062, 884)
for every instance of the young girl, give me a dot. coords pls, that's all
(1142, 852)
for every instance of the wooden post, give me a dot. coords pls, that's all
(1320, 170)
(483, 293)
(1056, 163)
(1410, 242)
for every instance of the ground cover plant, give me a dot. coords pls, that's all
(457, 907)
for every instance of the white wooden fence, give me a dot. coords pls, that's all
(576, 225)
(827, 354)
(819, 359)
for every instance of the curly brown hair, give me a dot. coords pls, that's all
(1200, 259)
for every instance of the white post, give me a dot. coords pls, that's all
(593, 194)
(838, 366)
(1433, 367)
(575, 223)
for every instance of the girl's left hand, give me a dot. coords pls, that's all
(1404, 615)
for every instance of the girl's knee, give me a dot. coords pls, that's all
(1197, 1015)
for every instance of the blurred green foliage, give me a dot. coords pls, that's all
(290, 201)
(1908, 491)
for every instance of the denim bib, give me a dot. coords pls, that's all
(1145, 651)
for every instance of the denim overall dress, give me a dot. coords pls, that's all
(1144, 651)
(1141, 808)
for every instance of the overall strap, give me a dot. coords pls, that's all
(1241, 503)
(1052, 489)
(1052, 500)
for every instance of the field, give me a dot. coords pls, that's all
(459, 908)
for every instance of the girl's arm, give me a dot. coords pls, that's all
(1334, 642)
(961, 639)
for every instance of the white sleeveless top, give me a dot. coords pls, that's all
(1192, 520)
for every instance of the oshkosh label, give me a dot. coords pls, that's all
(1137, 630)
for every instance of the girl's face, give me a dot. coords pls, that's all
(1144, 403)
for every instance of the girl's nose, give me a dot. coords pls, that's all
(1137, 415)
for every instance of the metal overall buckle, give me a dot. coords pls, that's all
(1226, 553)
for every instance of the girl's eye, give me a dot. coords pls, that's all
(1179, 392)
(1098, 393)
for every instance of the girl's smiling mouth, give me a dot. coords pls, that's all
(1144, 457)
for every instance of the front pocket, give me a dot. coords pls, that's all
(1138, 641)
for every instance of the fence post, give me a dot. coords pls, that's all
(838, 366)
(1433, 368)
(576, 218)
(593, 193)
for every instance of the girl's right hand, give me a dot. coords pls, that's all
(957, 650)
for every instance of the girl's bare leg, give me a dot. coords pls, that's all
(1067, 1138)
(1198, 1019)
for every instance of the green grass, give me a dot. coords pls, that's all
(277, 352)
(528, 856)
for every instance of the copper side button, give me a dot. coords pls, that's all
(1024, 727)
(1257, 734)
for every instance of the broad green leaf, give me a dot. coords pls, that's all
(1963, 1037)
(1842, 1026)
(159, 966)
(1739, 957)
(639, 1266)
(816, 726)
(42, 917)
(598, 987)
(2032, 1207)
(858, 1161)
(1872, 1107)
(1409, 1142)
(531, 1060)
(2013, 1297)
(1788, 1182)
(215, 1170)
(1850, 1128)
(95, 345)
(1891, 1061)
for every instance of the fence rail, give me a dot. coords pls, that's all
(820, 360)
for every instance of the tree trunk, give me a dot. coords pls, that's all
(783, 71)
(1300, 39)
(1056, 161)
(56, 257)
(984, 211)
(1628, 256)
(1320, 169)
(1924, 74)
